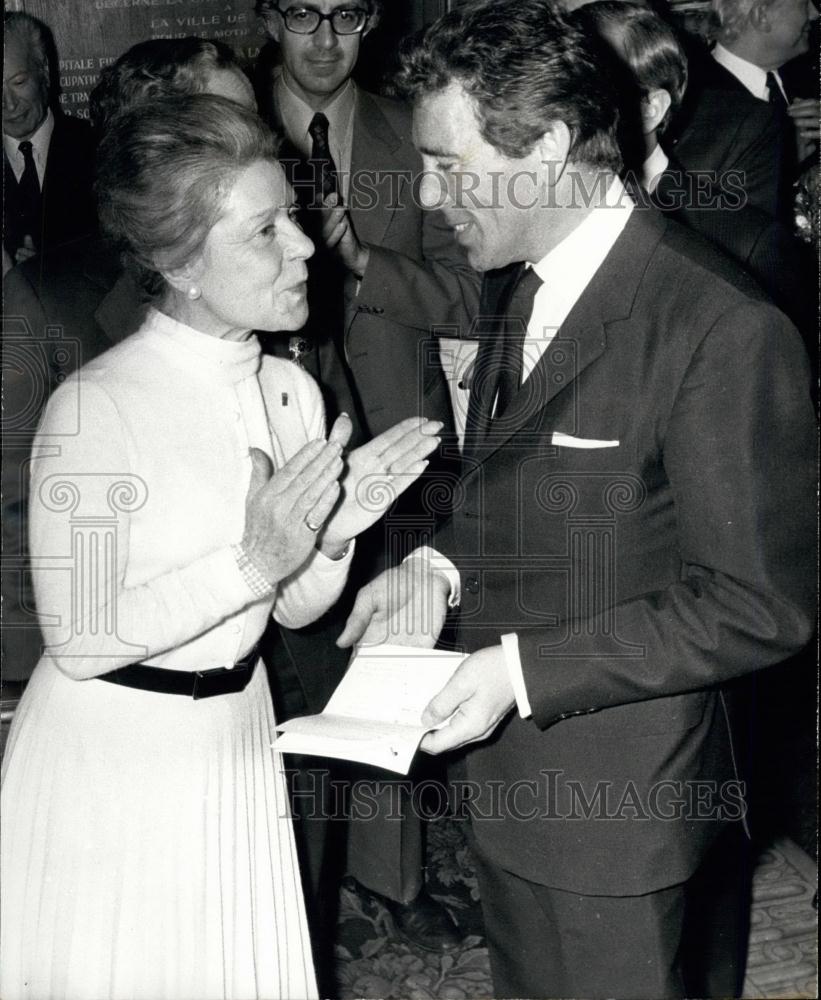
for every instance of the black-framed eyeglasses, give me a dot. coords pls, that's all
(306, 20)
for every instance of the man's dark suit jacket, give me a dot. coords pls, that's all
(722, 128)
(764, 246)
(67, 202)
(639, 577)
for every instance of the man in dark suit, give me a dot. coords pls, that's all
(385, 273)
(47, 156)
(632, 521)
(404, 256)
(738, 116)
(648, 49)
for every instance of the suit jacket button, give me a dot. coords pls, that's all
(472, 585)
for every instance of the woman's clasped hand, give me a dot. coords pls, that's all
(286, 510)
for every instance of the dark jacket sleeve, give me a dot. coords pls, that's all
(439, 291)
(739, 453)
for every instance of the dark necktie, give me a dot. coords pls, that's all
(507, 302)
(325, 178)
(28, 190)
(775, 94)
(519, 310)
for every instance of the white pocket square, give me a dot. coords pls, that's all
(568, 441)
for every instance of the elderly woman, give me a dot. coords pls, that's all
(182, 491)
(80, 289)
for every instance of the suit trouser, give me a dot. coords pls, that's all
(546, 942)
(386, 846)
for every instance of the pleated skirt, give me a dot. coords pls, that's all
(147, 848)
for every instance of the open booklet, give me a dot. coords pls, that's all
(375, 714)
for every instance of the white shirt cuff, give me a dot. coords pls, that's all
(513, 662)
(437, 563)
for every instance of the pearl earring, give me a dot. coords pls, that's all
(194, 293)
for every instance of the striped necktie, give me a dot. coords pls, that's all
(325, 177)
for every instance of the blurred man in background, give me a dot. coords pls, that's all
(47, 156)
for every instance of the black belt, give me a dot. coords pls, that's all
(193, 684)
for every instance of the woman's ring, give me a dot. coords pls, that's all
(312, 527)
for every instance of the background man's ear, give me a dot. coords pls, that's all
(373, 22)
(272, 23)
(654, 106)
(759, 17)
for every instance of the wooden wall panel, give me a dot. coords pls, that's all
(90, 34)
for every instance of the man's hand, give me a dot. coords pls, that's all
(339, 236)
(805, 116)
(26, 251)
(479, 696)
(406, 605)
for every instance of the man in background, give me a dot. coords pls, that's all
(738, 115)
(647, 47)
(396, 270)
(48, 166)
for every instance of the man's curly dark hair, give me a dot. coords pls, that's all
(525, 65)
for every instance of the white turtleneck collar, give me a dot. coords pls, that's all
(228, 361)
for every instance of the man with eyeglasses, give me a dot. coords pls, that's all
(385, 274)
(404, 271)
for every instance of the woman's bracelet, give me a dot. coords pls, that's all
(260, 586)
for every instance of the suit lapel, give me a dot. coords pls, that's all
(670, 190)
(582, 338)
(9, 180)
(54, 156)
(291, 159)
(122, 310)
(373, 151)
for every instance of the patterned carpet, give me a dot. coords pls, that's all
(783, 957)
(373, 963)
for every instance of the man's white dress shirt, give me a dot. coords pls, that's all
(753, 77)
(296, 117)
(40, 142)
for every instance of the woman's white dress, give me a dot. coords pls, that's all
(147, 847)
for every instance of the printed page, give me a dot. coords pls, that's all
(392, 683)
(375, 713)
